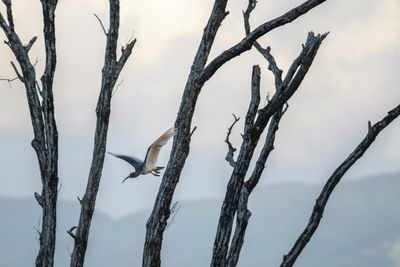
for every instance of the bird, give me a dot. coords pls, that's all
(148, 165)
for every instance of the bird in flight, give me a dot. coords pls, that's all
(150, 161)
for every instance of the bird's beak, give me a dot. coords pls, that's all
(125, 179)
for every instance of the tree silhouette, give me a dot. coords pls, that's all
(229, 236)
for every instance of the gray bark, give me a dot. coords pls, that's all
(231, 150)
(45, 142)
(252, 133)
(110, 72)
(199, 74)
(319, 207)
(157, 222)
(242, 213)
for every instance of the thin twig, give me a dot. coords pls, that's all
(174, 211)
(38, 198)
(17, 72)
(192, 132)
(266, 52)
(37, 229)
(101, 24)
(231, 149)
(9, 81)
(70, 232)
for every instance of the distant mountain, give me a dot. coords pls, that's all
(361, 227)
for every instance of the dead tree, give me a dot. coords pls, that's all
(41, 108)
(334, 179)
(239, 205)
(242, 212)
(198, 76)
(110, 72)
(239, 190)
(255, 123)
(45, 142)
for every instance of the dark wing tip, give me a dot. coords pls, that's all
(136, 163)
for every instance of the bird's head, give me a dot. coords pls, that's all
(132, 175)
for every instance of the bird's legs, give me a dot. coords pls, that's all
(156, 172)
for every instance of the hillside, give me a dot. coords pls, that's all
(360, 228)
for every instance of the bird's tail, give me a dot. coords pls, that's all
(158, 168)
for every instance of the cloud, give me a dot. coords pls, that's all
(354, 79)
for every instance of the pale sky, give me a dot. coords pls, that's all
(353, 79)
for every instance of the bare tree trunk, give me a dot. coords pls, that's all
(242, 213)
(157, 222)
(322, 200)
(252, 133)
(200, 73)
(111, 70)
(45, 140)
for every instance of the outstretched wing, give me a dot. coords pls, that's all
(152, 153)
(135, 162)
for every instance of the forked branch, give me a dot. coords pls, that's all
(253, 131)
(199, 74)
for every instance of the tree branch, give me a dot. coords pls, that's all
(254, 101)
(10, 18)
(243, 214)
(247, 42)
(19, 76)
(242, 219)
(125, 53)
(101, 24)
(70, 232)
(50, 183)
(192, 132)
(199, 74)
(334, 179)
(250, 140)
(9, 80)
(231, 149)
(30, 44)
(293, 79)
(157, 222)
(273, 67)
(45, 142)
(39, 199)
(110, 73)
